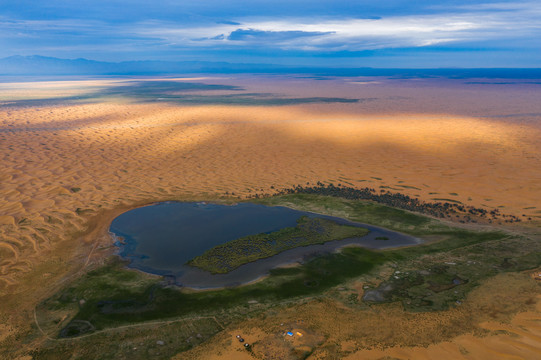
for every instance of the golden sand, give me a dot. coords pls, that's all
(96, 157)
(66, 168)
(519, 339)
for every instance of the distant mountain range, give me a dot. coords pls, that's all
(42, 66)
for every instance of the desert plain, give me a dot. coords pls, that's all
(75, 153)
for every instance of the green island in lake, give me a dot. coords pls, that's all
(308, 231)
(448, 271)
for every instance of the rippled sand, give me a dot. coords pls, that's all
(65, 167)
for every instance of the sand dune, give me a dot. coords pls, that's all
(85, 158)
(62, 167)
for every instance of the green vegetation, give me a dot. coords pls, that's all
(409, 187)
(389, 187)
(113, 296)
(432, 276)
(448, 200)
(445, 274)
(359, 211)
(160, 341)
(309, 231)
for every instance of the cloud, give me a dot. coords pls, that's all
(323, 34)
(300, 28)
(226, 22)
(262, 35)
(498, 6)
(466, 24)
(368, 34)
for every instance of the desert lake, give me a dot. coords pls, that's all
(161, 238)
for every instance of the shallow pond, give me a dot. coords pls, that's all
(161, 238)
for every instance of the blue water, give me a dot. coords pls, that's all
(165, 236)
(161, 238)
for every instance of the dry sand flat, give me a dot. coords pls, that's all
(519, 339)
(65, 168)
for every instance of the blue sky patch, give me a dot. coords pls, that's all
(393, 33)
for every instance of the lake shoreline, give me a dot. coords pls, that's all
(197, 279)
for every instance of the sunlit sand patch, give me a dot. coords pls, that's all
(430, 133)
(247, 148)
(51, 89)
(63, 166)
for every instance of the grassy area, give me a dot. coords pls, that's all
(113, 296)
(447, 271)
(432, 276)
(160, 341)
(309, 231)
(448, 200)
(360, 211)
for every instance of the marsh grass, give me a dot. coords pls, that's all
(308, 231)
(116, 296)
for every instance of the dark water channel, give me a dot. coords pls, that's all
(161, 238)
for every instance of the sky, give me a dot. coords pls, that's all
(352, 33)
